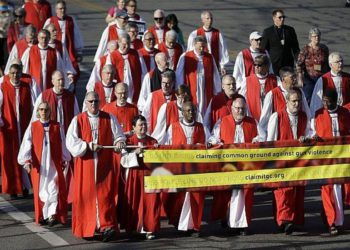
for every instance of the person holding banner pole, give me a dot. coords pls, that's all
(290, 123)
(234, 208)
(185, 209)
(331, 121)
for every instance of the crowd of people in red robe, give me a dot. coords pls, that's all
(154, 91)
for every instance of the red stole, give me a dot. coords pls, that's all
(21, 45)
(152, 29)
(190, 71)
(278, 101)
(68, 100)
(253, 93)
(220, 107)
(103, 61)
(284, 128)
(69, 30)
(124, 114)
(345, 85)
(137, 44)
(86, 190)
(177, 52)
(35, 65)
(158, 100)
(112, 33)
(214, 44)
(37, 13)
(11, 172)
(99, 89)
(59, 47)
(248, 62)
(56, 156)
(228, 129)
(323, 122)
(12, 35)
(172, 113)
(135, 67)
(179, 137)
(146, 55)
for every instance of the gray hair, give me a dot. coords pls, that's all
(91, 93)
(201, 39)
(205, 12)
(169, 74)
(131, 25)
(314, 31)
(332, 56)
(48, 106)
(171, 34)
(30, 28)
(284, 71)
(124, 36)
(108, 67)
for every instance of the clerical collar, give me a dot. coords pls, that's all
(62, 18)
(149, 50)
(333, 110)
(238, 122)
(333, 74)
(107, 86)
(42, 48)
(207, 30)
(120, 105)
(254, 50)
(178, 104)
(45, 123)
(198, 55)
(262, 76)
(141, 136)
(188, 124)
(15, 84)
(92, 115)
(55, 91)
(289, 113)
(168, 46)
(283, 88)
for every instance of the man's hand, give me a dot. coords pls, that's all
(139, 151)
(223, 71)
(28, 167)
(96, 147)
(119, 146)
(70, 78)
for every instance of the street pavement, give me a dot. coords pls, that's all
(236, 19)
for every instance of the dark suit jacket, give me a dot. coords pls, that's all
(281, 55)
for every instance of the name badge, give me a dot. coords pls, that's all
(282, 42)
(317, 67)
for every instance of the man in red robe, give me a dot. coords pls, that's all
(129, 68)
(94, 202)
(220, 104)
(197, 69)
(133, 31)
(68, 33)
(157, 98)
(216, 43)
(16, 29)
(290, 123)
(16, 102)
(185, 209)
(234, 208)
(148, 51)
(37, 11)
(332, 121)
(257, 85)
(159, 28)
(141, 210)
(172, 48)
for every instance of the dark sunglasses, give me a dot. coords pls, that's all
(158, 18)
(280, 17)
(259, 39)
(258, 65)
(92, 101)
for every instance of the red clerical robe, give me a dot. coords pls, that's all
(190, 71)
(214, 43)
(11, 171)
(136, 44)
(35, 65)
(153, 28)
(220, 107)
(68, 100)
(345, 85)
(158, 99)
(21, 45)
(221, 199)
(135, 68)
(37, 13)
(175, 201)
(56, 156)
(146, 55)
(86, 190)
(253, 97)
(323, 126)
(13, 35)
(278, 101)
(177, 52)
(142, 210)
(172, 113)
(289, 201)
(99, 89)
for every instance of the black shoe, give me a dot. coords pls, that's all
(150, 236)
(243, 231)
(224, 224)
(51, 221)
(108, 235)
(347, 4)
(42, 222)
(13, 196)
(333, 231)
(25, 193)
(288, 228)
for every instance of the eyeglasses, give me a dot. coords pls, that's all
(258, 65)
(158, 18)
(149, 39)
(339, 61)
(281, 17)
(132, 6)
(93, 101)
(258, 40)
(43, 109)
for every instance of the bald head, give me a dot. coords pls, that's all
(161, 60)
(121, 92)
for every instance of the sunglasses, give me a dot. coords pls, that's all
(158, 18)
(281, 17)
(93, 101)
(43, 109)
(259, 39)
(258, 65)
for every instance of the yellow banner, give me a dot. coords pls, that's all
(247, 155)
(246, 177)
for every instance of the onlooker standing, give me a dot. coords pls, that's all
(281, 42)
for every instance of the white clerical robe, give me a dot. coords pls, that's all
(48, 188)
(201, 90)
(13, 55)
(224, 57)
